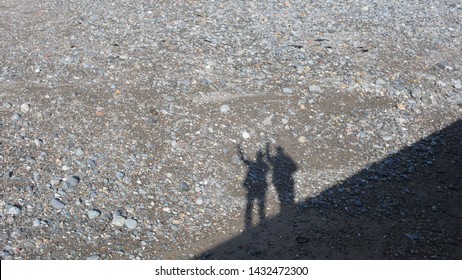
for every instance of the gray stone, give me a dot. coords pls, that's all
(287, 90)
(38, 142)
(91, 163)
(36, 223)
(16, 117)
(37, 176)
(118, 221)
(92, 258)
(314, 88)
(120, 175)
(79, 152)
(224, 108)
(72, 181)
(387, 138)
(7, 105)
(245, 135)
(92, 214)
(28, 245)
(131, 223)
(416, 93)
(458, 84)
(184, 186)
(24, 107)
(57, 204)
(13, 210)
(199, 201)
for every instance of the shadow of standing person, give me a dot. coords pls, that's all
(283, 169)
(256, 185)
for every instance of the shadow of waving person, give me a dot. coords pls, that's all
(256, 185)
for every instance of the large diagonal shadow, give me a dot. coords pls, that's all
(407, 206)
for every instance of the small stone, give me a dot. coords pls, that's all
(120, 175)
(92, 214)
(387, 138)
(57, 204)
(25, 107)
(28, 245)
(36, 223)
(416, 93)
(302, 139)
(92, 258)
(199, 201)
(65, 168)
(441, 83)
(72, 181)
(358, 202)
(314, 88)
(118, 221)
(268, 120)
(13, 210)
(16, 117)
(400, 106)
(38, 142)
(287, 90)
(37, 177)
(7, 105)
(184, 186)
(131, 223)
(245, 135)
(457, 84)
(79, 152)
(224, 108)
(91, 163)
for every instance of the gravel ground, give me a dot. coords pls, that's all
(120, 120)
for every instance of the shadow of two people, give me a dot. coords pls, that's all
(283, 167)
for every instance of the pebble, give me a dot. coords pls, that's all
(314, 88)
(120, 175)
(302, 139)
(37, 177)
(38, 142)
(57, 204)
(13, 210)
(224, 108)
(131, 223)
(387, 138)
(16, 117)
(184, 186)
(287, 90)
(72, 181)
(79, 152)
(92, 258)
(199, 201)
(92, 214)
(416, 93)
(245, 135)
(458, 84)
(7, 105)
(118, 221)
(25, 107)
(28, 245)
(36, 223)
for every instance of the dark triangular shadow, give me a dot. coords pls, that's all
(407, 206)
